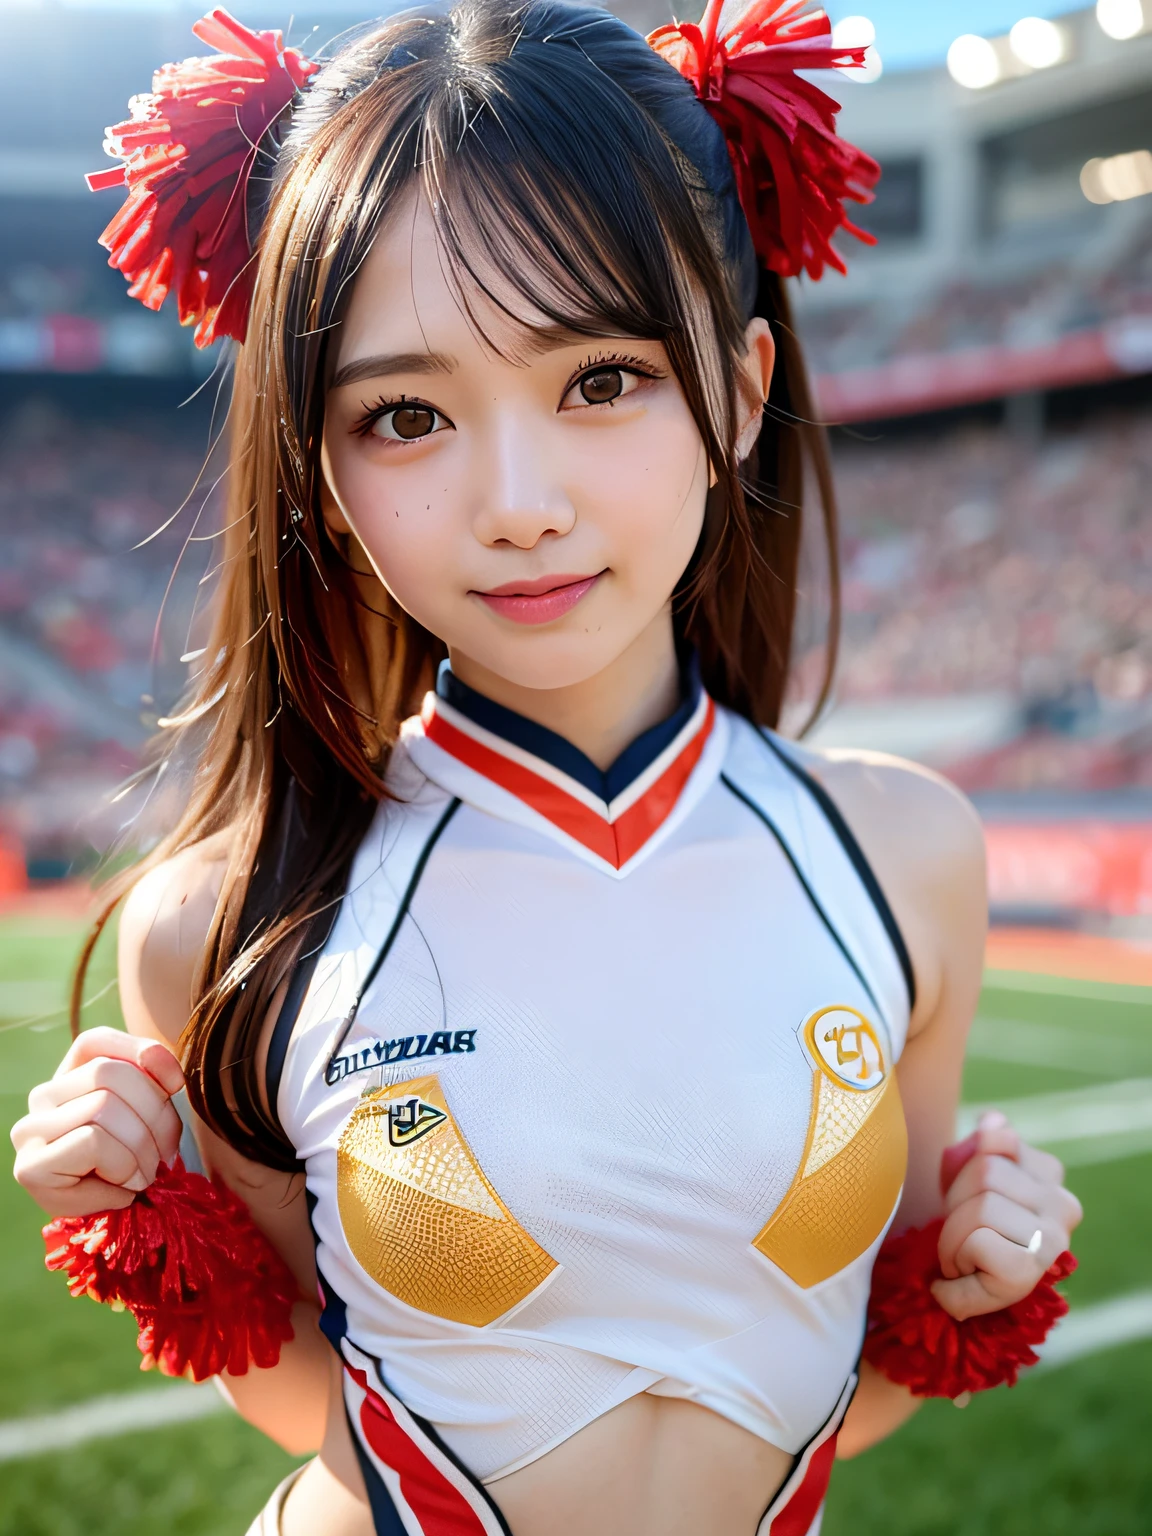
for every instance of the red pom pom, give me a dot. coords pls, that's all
(793, 172)
(188, 150)
(206, 1287)
(914, 1342)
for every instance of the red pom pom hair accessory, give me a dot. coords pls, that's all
(188, 151)
(793, 173)
(189, 148)
(207, 1289)
(914, 1342)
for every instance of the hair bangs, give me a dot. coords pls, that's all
(562, 206)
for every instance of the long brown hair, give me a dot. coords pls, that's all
(566, 165)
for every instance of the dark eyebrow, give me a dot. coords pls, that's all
(392, 362)
(554, 338)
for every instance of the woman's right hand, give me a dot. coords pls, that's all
(95, 1134)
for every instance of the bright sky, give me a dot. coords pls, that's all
(909, 32)
(912, 32)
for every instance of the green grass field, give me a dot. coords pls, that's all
(1063, 1454)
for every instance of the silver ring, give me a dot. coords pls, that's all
(1036, 1240)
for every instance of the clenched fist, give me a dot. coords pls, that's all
(1007, 1218)
(95, 1134)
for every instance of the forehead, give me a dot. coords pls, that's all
(410, 297)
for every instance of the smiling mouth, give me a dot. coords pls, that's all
(539, 601)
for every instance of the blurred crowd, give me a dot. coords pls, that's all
(92, 531)
(978, 564)
(985, 562)
(1095, 289)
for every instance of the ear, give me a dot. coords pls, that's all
(755, 381)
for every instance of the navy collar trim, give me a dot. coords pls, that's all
(558, 752)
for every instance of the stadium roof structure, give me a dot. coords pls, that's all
(1015, 231)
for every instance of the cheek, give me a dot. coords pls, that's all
(400, 517)
(650, 485)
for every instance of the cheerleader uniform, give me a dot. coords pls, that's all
(593, 1082)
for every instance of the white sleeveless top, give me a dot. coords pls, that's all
(616, 1112)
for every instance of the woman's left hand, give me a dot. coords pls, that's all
(1008, 1217)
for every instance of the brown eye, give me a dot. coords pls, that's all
(408, 422)
(604, 385)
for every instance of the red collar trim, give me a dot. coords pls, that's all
(616, 832)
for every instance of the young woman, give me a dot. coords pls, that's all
(575, 1038)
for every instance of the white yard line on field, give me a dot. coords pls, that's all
(18, 998)
(102, 1416)
(1084, 1125)
(1122, 1320)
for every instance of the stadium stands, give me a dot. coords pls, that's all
(82, 656)
(998, 591)
(978, 567)
(1066, 322)
(981, 564)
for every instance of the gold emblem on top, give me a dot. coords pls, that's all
(847, 1046)
(855, 1155)
(421, 1217)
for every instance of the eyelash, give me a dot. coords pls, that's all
(603, 361)
(624, 361)
(373, 413)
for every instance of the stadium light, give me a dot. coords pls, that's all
(859, 32)
(854, 32)
(972, 62)
(1037, 43)
(1120, 19)
(1118, 178)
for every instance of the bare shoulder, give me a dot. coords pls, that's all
(164, 926)
(924, 841)
(908, 811)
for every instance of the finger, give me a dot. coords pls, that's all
(126, 1078)
(995, 1137)
(966, 1296)
(1042, 1166)
(149, 1055)
(128, 1082)
(88, 1150)
(87, 1197)
(992, 1212)
(1070, 1213)
(1059, 1210)
(1008, 1269)
(120, 1120)
(992, 1174)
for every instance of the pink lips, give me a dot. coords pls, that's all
(539, 601)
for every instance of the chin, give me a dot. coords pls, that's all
(548, 660)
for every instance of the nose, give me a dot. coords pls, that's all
(522, 498)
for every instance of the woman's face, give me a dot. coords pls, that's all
(534, 514)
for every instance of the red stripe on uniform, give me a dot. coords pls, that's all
(614, 842)
(441, 1508)
(796, 1518)
(655, 805)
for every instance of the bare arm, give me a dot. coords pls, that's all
(926, 846)
(162, 932)
(97, 1132)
